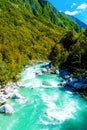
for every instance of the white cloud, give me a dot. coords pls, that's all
(78, 9)
(71, 13)
(82, 6)
(73, 4)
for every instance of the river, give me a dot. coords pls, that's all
(49, 106)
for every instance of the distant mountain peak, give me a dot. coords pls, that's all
(82, 24)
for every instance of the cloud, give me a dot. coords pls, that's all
(78, 10)
(82, 6)
(71, 13)
(73, 4)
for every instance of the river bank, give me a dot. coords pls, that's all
(11, 90)
(76, 85)
(45, 104)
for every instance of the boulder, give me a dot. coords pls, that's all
(38, 73)
(63, 73)
(2, 100)
(64, 83)
(44, 70)
(57, 72)
(67, 77)
(71, 82)
(16, 96)
(8, 91)
(18, 84)
(78, 85)
(6, 109)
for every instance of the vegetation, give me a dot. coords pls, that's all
(74, 53)
(32, 30)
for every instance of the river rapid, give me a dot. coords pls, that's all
(48, 107)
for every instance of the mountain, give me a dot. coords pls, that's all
(46, 9)
(43, 8)
(23, 37)
(82, 24)
(29, 29)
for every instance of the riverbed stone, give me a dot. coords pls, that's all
(6, 108)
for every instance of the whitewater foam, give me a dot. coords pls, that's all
(48, 109)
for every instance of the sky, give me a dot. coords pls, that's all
(76, 8)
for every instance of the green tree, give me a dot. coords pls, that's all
(58, 55)
(68, 39)
(4, 74)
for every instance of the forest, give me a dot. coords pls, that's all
(26, 34)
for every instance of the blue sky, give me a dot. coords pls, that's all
(77, 8)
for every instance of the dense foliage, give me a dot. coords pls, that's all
(29, 30)
(23, 37)
(74, 53)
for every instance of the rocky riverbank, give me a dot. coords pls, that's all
(77, 85)
(9, 91)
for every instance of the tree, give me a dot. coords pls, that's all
(58, 55)
(68, 39)
(4, 74)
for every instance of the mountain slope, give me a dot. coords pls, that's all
(82, 24)
(44, 8)
(23, 37)
(29, 29)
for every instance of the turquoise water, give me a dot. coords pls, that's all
(50, 107)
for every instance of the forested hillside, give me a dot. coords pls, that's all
(34, 29)
(71, 53)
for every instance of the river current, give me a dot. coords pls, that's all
(49, 106)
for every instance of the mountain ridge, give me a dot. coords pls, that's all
(29, 30)
(81, 23)
(55, 14)
(43, 8)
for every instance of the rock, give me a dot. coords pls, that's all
(78, 85)
(38, 73)
(19, 84)
(57, 72)
(16, 96)
(11, 85)
(64, 83)
(2, 100)
(6, 109)
(85, 80)
(74, 80)
(67, 77)
(63, 73)
(8, 91)
(71, 82)
(44, 70)
(48, 65)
